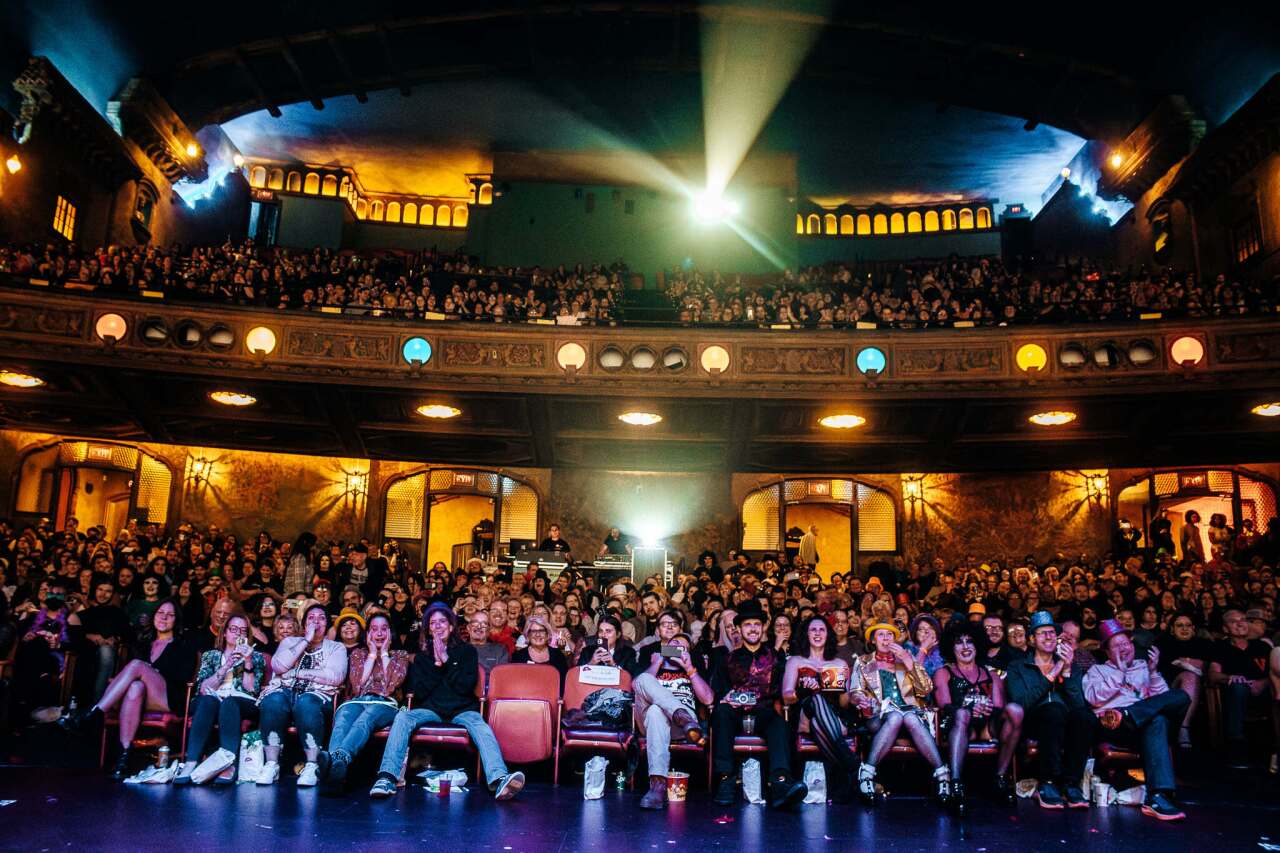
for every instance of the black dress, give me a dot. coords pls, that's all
(176, 665)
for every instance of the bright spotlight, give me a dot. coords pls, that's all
(709, 207)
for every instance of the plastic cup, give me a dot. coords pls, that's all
(1101, 793)
(677, 786)
(749, 724)
(443, 791)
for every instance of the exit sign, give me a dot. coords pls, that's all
(99, 453)
(463, 479)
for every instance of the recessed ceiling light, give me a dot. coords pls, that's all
(1055, 418)
(19, 380)
(640, 418)
(439, 411)
(1267, 410)
(232, 398)
(845, 421)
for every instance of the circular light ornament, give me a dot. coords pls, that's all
(416, 351)
(439, 411)
(843, 421)
(260, 341)
(643, 358)
(19, 380)
(111, 327)
(1267, 410)
(1141, 353)
(715, 358)
(1054, 418)
(871, 359)
(571, 355)
(640, 418)
(611, 358)
(1072, 356)
(1031, 357)
(1187, 351)
(675, 359)
(232, 398)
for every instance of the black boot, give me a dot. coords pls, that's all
(121, 770)
(867, 784)
(786, 792)
(1005, 791)
(957, 803)
(84, 722)
(726, 791)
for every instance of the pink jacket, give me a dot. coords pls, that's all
(1107, 686)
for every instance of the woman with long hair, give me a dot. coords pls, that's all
(608, 648)
(1192, 545)
(816, 681)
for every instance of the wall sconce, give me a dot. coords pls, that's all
(199, 471)
(913, 490)
(1096, 487)
(13, 164)
(356, 487)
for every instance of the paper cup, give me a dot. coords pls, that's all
(677, 786)
(1101, 793)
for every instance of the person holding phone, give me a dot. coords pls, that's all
(608, 649)
(816, 681)
(667, 697)
(230, 677)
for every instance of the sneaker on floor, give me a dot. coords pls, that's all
(509, 786)
(184, 773)
(220, 760)
(1049, 797)
(1162, 807)
(269, 773)
(383, 788)
(309, 776)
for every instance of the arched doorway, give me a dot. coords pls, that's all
(855, 521)
(97, 483)
(452, 514)
(1237, 493)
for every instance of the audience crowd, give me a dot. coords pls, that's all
(1158, 650)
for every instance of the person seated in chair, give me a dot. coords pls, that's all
(667, 696)
(1135, 707)
(890, 687)
(747, 686)
(443, 680)
(972, 700)
(816, 682)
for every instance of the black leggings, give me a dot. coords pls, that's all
(824, 727)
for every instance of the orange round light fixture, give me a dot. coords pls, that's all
(1055, 418)
(260, 341)
(439, 411)
(847, 420)
(1267, 410)
(640, 418)
(232, 398)
(715, 358)
(1116, 160)
(19, 380)
(111, 327)
(1187, 351)
(1031, 357)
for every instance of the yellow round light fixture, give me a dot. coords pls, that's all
(843, 421)
(1031, 357)
(19, 380)
(232, 398)
(715, 359)
(111, 327)
(640, 418)
(1187, 351)
(193, 150)
(1267, 410)
(1116, 159)
(439, 411)
(260, 341)
(1055, 418)
(571, 355)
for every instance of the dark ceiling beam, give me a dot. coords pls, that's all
(344, 66)
(393, 64)
(264, 102)
(128, 389)
(344, 422)
(541, 432)
(292, 62)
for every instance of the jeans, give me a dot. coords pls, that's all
(355, 722)
(655, 705)
(106, 662)
(1235, 707)
(309, 711)
(407, 722)
(1155, 717)
(228, 714)
(725, 723)
(1065, 736)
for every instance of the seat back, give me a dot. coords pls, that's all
(523, 704)
(576, 692)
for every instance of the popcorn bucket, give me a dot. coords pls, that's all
(677, 786)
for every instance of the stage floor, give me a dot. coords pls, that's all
(83, 810)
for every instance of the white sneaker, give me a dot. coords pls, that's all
(213, 765)
(184, 773)
(269, 773)
(309, 776)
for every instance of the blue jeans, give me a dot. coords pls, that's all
(308, 711)
(227, 714)
(1156, 717)
(408, 722)
(355, 722)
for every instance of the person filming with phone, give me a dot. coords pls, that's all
(667, 696)
(608, 648)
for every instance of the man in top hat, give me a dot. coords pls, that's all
(747, 685)
(1055, 713)
(1135, 707)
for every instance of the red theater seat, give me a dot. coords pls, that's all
(524, 701)
(589, 738)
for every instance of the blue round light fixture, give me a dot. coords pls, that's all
(871, 358)
(416, 351)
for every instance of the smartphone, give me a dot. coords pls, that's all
(671, 651)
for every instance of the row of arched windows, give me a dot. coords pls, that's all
(913, 222)
(410, 213)
(446, 215)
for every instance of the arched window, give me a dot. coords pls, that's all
(829, 221)
(880, 225)
(427, 216)
(275, 180)
(486, 194)
(345, 188)
(362, 208)
(472, 193)
(329, 185)
(984, 217)
(294, 184)
(966, 219)
(312, 184)
(443, 216)
(813, 225)
(897, 224)
(799, 223)
(948, 220)
(846, 224)
(258, 176)
(913, 222)
(375, 212)
(460, 216)
(864, 223)
(931, 220)
(410, 214)
(393, 211)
